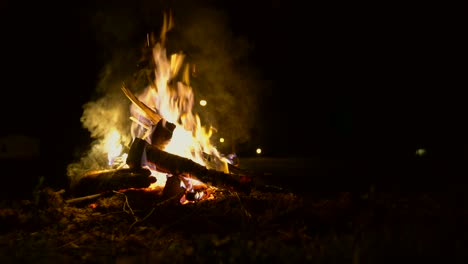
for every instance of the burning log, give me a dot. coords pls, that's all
(102, 181)
(173, 164)
(162, 134)
(232, 168)
(176, 165)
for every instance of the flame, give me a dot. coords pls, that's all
(112, 145)
(172, 97)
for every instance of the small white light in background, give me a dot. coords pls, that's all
(420, 152)
(259, 150)
(203, 102)
(221, 140)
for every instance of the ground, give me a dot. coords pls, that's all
(264, 225)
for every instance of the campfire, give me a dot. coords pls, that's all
(169, 147)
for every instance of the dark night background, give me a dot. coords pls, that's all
(343, 82)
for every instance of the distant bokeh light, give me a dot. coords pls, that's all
(259, 150)
(203, 102)
(420, 152)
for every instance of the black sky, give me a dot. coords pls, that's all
(343, 80)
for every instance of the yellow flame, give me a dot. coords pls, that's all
(168, 96)
(173, 99)
(112, 145)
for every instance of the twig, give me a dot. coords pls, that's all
(61, 191)
(84, 198)
(127, 205)
(242, 206)
(72, 242)
(154, 208)
(143, 219)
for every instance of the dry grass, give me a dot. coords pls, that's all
(141, 227)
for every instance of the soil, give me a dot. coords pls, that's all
(260, 226)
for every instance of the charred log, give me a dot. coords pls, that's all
(141, 151)
(172, 187)
(101, 181)
(162, 133)
(176, 165)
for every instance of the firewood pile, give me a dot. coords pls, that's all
(178, 169)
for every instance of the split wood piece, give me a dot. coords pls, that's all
(163, 129)
(150, 113)
(162, 133)
(176, 165)
(100, 181)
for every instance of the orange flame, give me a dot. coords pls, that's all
(173, 100)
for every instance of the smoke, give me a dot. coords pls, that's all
(116, 53)
(221, 75)
(101, 117)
